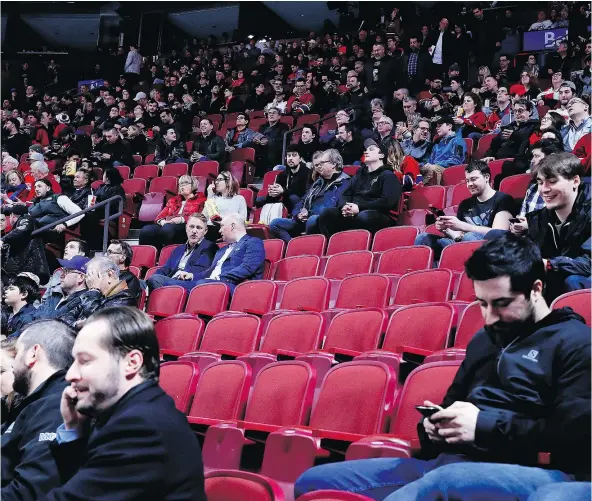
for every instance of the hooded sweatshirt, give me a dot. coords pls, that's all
(378, 190)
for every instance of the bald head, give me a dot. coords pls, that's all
(232, 227)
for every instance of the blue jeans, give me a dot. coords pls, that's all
(287, 228)
(437, 243)
(449, 477)
(564, 491)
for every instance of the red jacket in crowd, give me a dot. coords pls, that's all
(173, 206)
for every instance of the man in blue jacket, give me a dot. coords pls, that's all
(187, 260)
(450, 150)
(523, 388)
(322, 194)
(122, 437)
(242, 259)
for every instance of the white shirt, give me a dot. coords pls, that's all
(215, 275)
(437, 58)
(542, 25)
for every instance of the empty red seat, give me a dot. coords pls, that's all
(579, 301)
(254, 296)
(423, 197)
(206, 168)
(306, 294)
(288, 120)
(179, 334)
(427, 382)
(453, 175)
(166, 185)
(227, 485)
(166, 252)
(495, 166)
(274, 251)
(134, 185)
(296, 267)
(455, 255)
(151, 271)
(465, 290)
(178, 380)
(137, 159)
(149, 159)
(393, 237)
(332, 495)
(345, 264)
(124, 170)
(144, 256)
(469, 144)
(425, 286)
(136, 271)
(243, 155)
(208, 299)
(363, 291)
(293, 333)
(459, 193)
(483, 145)
(349, 241)
(516, 186)
(147, 172)
(151, 207)
(312, 245)
(405, 259)
(175, 169)
(166, 301)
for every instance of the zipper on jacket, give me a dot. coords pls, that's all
(502, 354)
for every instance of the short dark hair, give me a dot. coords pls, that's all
(293, 148)
(348, 127)
(82, 247)
(548, 146)
(312, 128)
(207, 120)
(130, 329)
(562, 164)
(479, 165)
(25, 285)
(55, 337)
(508, 255)
(126, 250)
(527, 103)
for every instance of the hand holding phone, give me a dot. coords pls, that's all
(73, 420)
(428, 410)
(436, 212)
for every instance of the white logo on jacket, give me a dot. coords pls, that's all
(532, 356)
(47, 437)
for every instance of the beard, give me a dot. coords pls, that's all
(505, 332)
(22, 381)
(99, 400)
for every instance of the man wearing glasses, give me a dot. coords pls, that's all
(121, 254)
(579, 124)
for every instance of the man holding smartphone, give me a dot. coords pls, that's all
(523, 388)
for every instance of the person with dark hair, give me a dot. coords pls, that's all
(240, 136)
(170, 148)
(114, 151)
(43, 355)
(471, 118)
(302, 101)
(121, 254)
(561, 229)
(208, 145)
(523, 387)
(485, 210)
(258, 100)
(308, 144)
(349, 144)
(122, 437)
(19, 295)
(13, 140)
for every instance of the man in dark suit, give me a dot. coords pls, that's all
(242, 259)
(187, 260)
(122, 437)
(441, 49)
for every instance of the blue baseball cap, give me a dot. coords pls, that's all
(77, 263)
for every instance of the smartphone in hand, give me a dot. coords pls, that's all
(435, 211)
(427, 411)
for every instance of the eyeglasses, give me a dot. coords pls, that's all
(383, 123)
(545, 118)
(112, 252)
(321, 163)
(220, 180)
(424, 128)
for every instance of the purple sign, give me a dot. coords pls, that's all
(91, 84)
(534, 41)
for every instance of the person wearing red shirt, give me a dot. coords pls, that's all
(405, 167)
(472, 119)
(302, 101)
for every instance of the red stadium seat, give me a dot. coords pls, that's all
(269, 178)
(495, 166)
(423, 197)
(151, 207)
(254, 296)
(137, 160)
(179, 334)
(208, 299)
(455, 255)
(235, 485)
(351, 170)
(175, 169)
(166, 301)
(206, 168)
(215, 117)
(345, 264)
(295, 267)
(427, 382)
(516, 186)
(425, 286)
(405, 259)
(311, 245)
(189, 145)
(274, 250)
(147, 172)
(134, 185)
(453, 175)
(350, 240)
(178, 380)
(307, 119)
(151, 271)
(136, 271)
(393, 237)
(242, 155)
(166, 185)
(469, 143)
(331, 495)
(293, 333)
(289, 121)
(249, 196)
(363, 291)
(124, 170)
(166, 252)
(465, 290)
(149, 159)
(144, 256)
(460, 192)
(306, 294)
(483, 145)
(579, 301)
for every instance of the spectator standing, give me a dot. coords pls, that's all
(270, 138)
(441, 45)
(14, 142)
(133, 65)
(416, 65)
(542, 23)
(486, 35)
(380, 73)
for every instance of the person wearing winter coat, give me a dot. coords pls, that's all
(450, 150)
(324, 193)
(373, 192)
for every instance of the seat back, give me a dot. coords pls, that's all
(470, 322)
(254, 296)
(425, 286)
(166, 301)
(243, 155)
(428, 382)
(175, 169)
(222, 391)
(516, 185)
(465, 290)
(356, 330)
(274, 249)
(578, 301)
(151, 207)
(350, 240)
(307, 119)
(469, 145)
(178, 380)
(165, 253)
(355, 397)
(268, 179)
(179, 334)
(136, 271)
(306, 294)
(363, 291)
(345, 264)
(453, 175)
(423, 197)
(393, 237)
(134, 185)
(455, 255)
(298, 331)
(226, 485)
(147, 172)
(208, 299)
(296, 267)
(205, 168)
(163, 185)
(424, 326)
(483, 145)
(233, 333)
(405, 259)
(282, 394)
(124, 170)
(460, 192)
(351, 170)
(311, 245)
(143, 256)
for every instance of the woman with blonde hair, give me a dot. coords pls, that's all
(223, 198)
(169, 224)
(404, 166)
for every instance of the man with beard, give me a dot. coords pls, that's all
(380, 72)
(122, 437)
(43, 354)
(523, 388)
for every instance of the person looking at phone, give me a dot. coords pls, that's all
(323, 193)
(485, 210)
(208, 145)
(43, 355)
(522, 388)
(121, 436)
